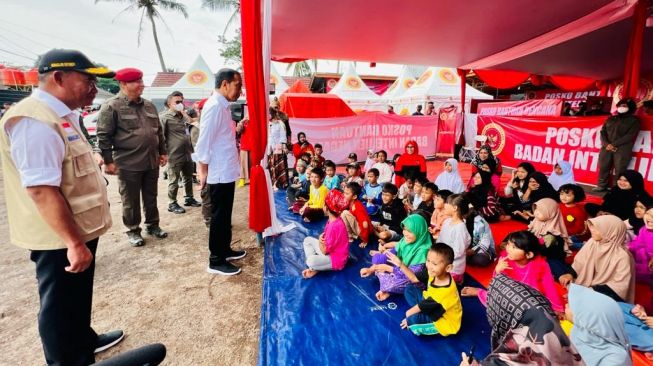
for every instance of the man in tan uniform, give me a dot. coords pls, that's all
(176, 132)
(57, 203)
(130, 137)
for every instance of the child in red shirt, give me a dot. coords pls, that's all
(573, 213)
(356, 219)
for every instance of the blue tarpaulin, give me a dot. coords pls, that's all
(334, 318)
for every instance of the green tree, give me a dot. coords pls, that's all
(302, 68)
(110, 85)
(224, 5)
(232, 49)
(150, 9)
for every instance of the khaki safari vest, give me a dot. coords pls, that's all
(82, 184)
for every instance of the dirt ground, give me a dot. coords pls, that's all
(156, 293)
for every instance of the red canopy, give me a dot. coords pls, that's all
(556, 37)
(306, 105)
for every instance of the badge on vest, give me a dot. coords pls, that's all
(70, 131)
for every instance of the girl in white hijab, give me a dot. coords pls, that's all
(562, 174)
(450, 178)
(598, 333)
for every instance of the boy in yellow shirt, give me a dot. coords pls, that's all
(313, 209)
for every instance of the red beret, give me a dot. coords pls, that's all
(128, 74)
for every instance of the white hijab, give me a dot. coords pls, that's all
(567, 176)
(451, 181)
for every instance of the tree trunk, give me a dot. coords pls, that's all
(156, 42)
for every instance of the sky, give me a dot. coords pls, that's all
(31, 27)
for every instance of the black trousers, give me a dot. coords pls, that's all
(222, 204)
(65, 314)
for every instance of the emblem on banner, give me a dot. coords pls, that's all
(496, 137)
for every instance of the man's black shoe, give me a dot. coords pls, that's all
(108, 340)
(174, 207)
(156, 231)
(135, 239)
(225, 268)
(236, 254)
(192, 202)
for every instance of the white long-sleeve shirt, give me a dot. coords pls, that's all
(277, 134)
(216, 145)
(457, 237)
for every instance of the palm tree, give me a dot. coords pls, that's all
(224, 5)
(302, 68)
(150, 8)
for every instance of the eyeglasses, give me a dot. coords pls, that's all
(179, 102)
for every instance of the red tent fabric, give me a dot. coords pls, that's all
(314, 105)
(502, 79)
(251, 22)
(298, 87)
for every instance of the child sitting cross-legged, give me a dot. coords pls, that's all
(388, 228)
(313, 209)
(410, 250)
(332, 180)
(356, 219)
(437, 310)
(298, 192)
(573, 213)
(549, 228)
(353, 175)
(330, 251)
(522, 262)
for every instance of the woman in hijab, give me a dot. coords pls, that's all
(301, 147)
(530, 334)
(538, 187)
(483, 196)
(620, 201)
(410, 164)
(492, 163)
(450, 178)
(562, 174)
(549, 227)
(514, 189)
(604, 263)
(635, 222)
(598, 330)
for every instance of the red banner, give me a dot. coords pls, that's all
(572, 97)
(446, 130)
(344, 135)
(545, 140)
(534, 107)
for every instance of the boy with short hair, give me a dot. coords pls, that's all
(318, 159)
(353, 175)
(438, 309)
(372, 192)
(385, 170)
(332, 180)
(439, 215)
(356, 218)
(392, 214)
(352, 158)
(298, 181)
(406, 190)
(426, 207)
(418, 186)
(313, 209)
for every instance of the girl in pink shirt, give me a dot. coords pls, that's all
(522, 263)
(330, 251)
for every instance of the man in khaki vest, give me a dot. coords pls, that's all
(57, 203)
(131, 139)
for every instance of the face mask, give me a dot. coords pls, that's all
(622, 110)
(179, 107)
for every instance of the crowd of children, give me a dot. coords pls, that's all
(428, 232)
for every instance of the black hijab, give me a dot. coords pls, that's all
(635, 222)
(478, 194)
(528, 167)
(621, 202)
(546, 190)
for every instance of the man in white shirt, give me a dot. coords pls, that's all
(45, 157)
(218, 165)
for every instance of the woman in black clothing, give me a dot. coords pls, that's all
(621, 199)
(538, 187)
